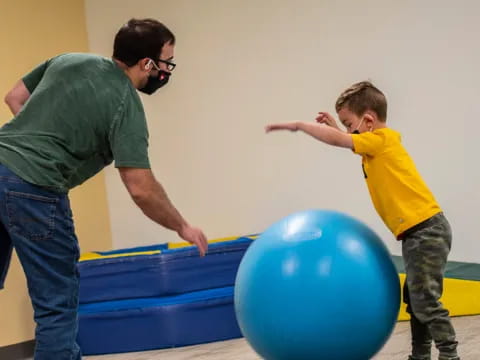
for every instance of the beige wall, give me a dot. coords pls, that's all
(244, 63)
(30, 32)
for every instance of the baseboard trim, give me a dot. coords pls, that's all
(20, 351)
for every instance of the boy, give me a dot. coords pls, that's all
(404, 203)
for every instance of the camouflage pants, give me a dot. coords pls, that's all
(425, 248)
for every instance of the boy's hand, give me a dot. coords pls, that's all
(327, 119)
(286, 126)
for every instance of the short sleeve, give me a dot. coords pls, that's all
(368, 143)
(33, 78)
(129, 135)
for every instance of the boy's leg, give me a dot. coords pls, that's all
(425, 254)
(41, 228)
(421, 337)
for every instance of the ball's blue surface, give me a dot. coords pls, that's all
(317, 285)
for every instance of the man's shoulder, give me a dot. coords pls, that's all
(80, 57)
(90, 70)
(81, 63)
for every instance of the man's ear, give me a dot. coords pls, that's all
(145, 64)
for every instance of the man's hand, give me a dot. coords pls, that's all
(293, 126)
(327, 119)
(194, 236)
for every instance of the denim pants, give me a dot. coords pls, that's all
(38, 223)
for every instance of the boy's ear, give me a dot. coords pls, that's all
(369, 119)
(369, 116)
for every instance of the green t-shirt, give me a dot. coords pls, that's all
(82, 114)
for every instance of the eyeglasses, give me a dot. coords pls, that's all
(170, 65)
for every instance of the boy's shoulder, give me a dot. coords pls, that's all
(388, 134)
(386, 130)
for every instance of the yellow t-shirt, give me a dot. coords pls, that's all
(399, 194)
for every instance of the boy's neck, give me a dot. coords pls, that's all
(380, 125)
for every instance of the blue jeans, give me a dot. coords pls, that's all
(38, 223)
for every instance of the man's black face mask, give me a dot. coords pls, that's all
(155, 82)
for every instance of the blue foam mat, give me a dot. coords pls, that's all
(146, 324)
(171, 272)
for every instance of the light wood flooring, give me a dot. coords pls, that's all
(397, 348)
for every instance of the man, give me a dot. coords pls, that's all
(74, 115)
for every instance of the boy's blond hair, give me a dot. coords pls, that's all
(361, 97)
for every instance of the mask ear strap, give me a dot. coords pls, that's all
(148, 65)
(357, 131)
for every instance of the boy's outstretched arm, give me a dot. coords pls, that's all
(322, 132)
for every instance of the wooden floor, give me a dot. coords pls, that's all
(397, 348)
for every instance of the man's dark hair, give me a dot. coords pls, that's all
(141, 38)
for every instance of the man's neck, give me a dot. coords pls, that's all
(129, 71)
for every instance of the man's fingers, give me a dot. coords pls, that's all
(205, 243)
(202, 243)
(201, 247)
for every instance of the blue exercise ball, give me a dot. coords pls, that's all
(317, 285)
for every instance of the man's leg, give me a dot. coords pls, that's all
(41, 228)
(6, 248)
